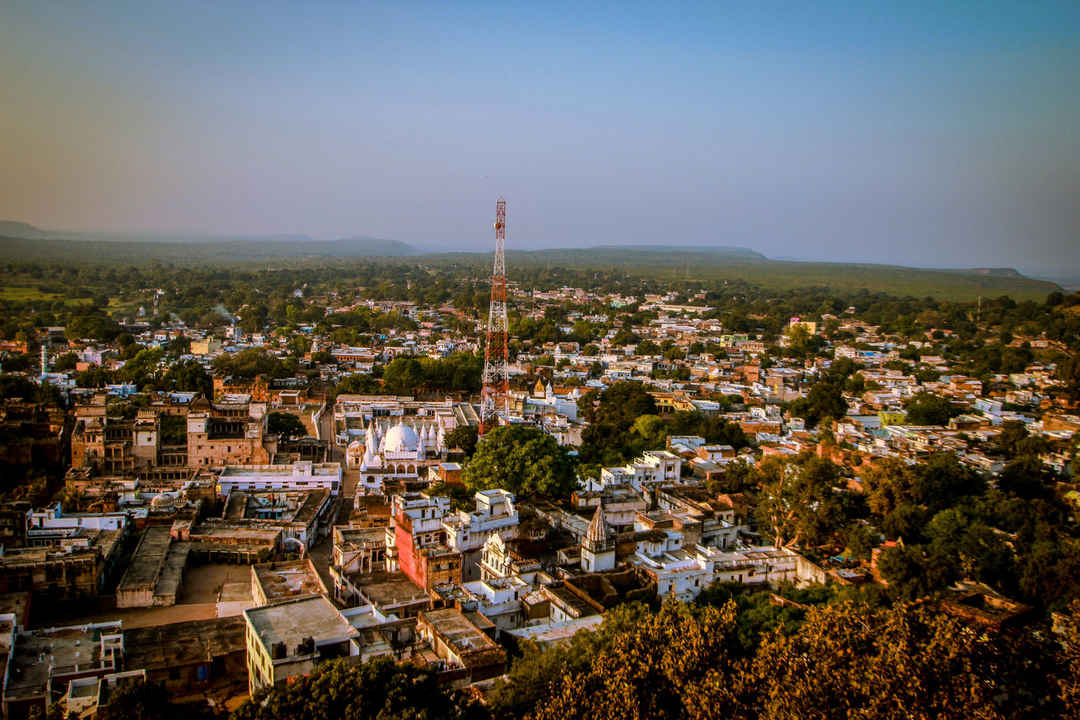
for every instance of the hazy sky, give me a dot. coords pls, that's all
(928, 133)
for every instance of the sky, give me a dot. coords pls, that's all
(920, 133)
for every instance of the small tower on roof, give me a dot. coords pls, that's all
(598, 548)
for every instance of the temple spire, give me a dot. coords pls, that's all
(597, 535)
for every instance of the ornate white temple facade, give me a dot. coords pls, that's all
(401, 451)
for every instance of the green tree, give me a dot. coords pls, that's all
(188, 375)
(523, 460)
(800, 503)
(249, 364)
(610, 415)
(412, 376)
(403, 376)
(824, 400)
(287, 424)
(735, 477)
(142, 369)
(928, 409)
(377, 690)
(625, 336)
(1068, 371)
(538, 671)
(148, 701)
(358, 384)
(65, 362)
(179, 345)
(673, 664)
(647, 347)
(1025, 476)
(852, 662)
(464, 437)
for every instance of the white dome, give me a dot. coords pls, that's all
(401, 439)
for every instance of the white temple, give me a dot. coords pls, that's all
(401, 451)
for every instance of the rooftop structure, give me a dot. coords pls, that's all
(460, 645)
(156, 570)
(301, 475)
(289, 638)
(43, 661)
(275, 581)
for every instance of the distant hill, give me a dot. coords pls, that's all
(710, 264)
(12, 228)
(723, 264)
(361, 245)
(47, 246)
(687, 250)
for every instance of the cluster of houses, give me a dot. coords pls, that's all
(155, 497)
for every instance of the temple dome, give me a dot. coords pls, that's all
(401, 439)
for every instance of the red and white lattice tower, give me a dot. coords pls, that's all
(494, 397)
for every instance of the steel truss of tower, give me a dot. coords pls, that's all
(494, 397)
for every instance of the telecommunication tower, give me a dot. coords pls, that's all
(494, 397)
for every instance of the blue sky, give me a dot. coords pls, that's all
(937, 134)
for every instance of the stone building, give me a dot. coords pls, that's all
(190, 657)
(69, 572)
(290, 638)
(228, 434)
(42, 664)
(154, 576)
(416, 541)
(101, 441)
(462, 647)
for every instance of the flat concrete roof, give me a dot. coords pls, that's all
(359, 535)
(280, 580)
(41, 654)
(148, 558)
(284, 471)
(456, 630)
(393, 589)
(292, 621)
(557, 632)
(164, 646)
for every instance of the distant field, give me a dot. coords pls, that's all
(710, 265)
(25, 294)
(720, 266)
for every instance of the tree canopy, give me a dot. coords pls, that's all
(825, 400)
(928, 409)
(846, 660)
(377, 690)
(250, 363)
(522, 459)
(459, 372)
(287, 424)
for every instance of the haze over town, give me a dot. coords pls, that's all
(487, 361)
(925, 134)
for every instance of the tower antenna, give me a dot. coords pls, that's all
(494, 397)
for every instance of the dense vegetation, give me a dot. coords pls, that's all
(377, 690)
(717, 265)
(739, 653)
(522, 459)
(624, 420)
(89, 299)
